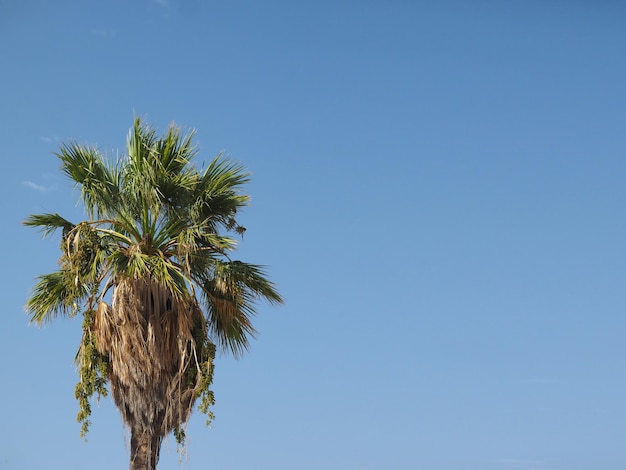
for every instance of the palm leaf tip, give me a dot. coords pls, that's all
(254, 278)
(51, 296)
(48, 223)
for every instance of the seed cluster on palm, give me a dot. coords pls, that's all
(150, 271)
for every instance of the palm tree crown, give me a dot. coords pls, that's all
(151, 274)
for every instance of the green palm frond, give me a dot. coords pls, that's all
(217, 194)
(228, 323)
(229, 292)
(99, 182)
(175, 151)
(250, 276)
(141, 140)
(55, 294)
(170, 276)
(48, 223)
(223, 174)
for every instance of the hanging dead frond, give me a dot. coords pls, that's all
(158, 353)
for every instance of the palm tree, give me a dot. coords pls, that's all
(150, 272)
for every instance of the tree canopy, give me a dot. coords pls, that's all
(151, 272)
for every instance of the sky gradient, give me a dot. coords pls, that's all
(437, 189)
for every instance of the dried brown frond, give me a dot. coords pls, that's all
(149, 336)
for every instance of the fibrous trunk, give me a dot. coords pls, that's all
(144, 451)
(149, 337)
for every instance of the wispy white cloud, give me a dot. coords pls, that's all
(37, 187)
(48, 139)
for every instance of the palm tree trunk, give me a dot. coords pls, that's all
(144, 451)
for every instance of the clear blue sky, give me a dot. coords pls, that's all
(438, 188)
